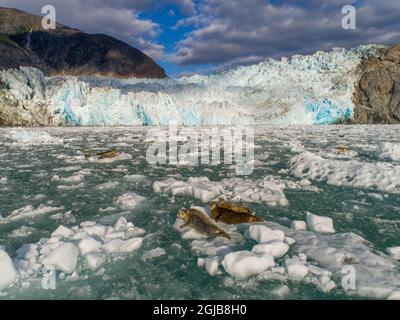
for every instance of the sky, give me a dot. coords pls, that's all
(204, 36)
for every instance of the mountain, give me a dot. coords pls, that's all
(377, 94)
(67, 51)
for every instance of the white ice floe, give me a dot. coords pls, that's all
(29, 212)
(8, 274)
(70, 250)
(381, 176)
(296, 269)
(136, 178)
(298, 225)
(129, 201)
(106, 186)
(95, 260)
(22, 232)
(275, 248)
(64, 257)
(319, 224)
(211, 265)
(263, 234)
(236, 189)
(314, 258)
(32, 137)
(154, 253)
(388, 151)
(67, 217)
(281, 291)
(72, 179)
(244, 264)
(70, 187)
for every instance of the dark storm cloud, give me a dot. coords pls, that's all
(233, 30)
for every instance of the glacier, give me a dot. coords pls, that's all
(313, 89)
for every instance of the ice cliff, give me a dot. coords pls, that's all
(314, 89)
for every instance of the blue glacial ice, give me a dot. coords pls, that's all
(314, 89)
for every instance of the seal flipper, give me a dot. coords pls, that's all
(223, 234)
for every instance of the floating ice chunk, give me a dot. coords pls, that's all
(130, 245)
(8, 274)
(129, 201)
(95, 260)
(295, 269)
(88, 245)
(85, 224)
(39, 197)
(113, 245)
(319, 224)
(298, 225)
(63, 232)
(73, 179)
(275, 248)
(70, 187)
(154, 253)
(120, 224)
(96, 230)
(211, 264)
(63, 258)
(319, 271)
(3, 180)
(121, 246)
(201, 262)
(244, 264)
(388, 150)
(394, 252)
(29, 212)
(289, 241)
(32, 137)
(22, 232)
(106, 186)
(115, 235)
(239, 189)
(263, 234)
(281, 291)
(135, 178)
(381, 176)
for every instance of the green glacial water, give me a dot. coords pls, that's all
(29, 171)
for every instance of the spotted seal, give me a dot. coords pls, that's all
(201, 223)
(231, 217)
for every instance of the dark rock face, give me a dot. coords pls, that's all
(67, 51)
(377, 95)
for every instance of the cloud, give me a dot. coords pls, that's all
(185, 7)
(229, 31)
(117, 18)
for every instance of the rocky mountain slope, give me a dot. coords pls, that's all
(377, 95)
(67, 51)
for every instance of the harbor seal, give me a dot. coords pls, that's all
(201, 223)
(112, 153)
(231, 217)
(233, 206)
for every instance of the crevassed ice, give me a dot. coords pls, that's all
(315, 89)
